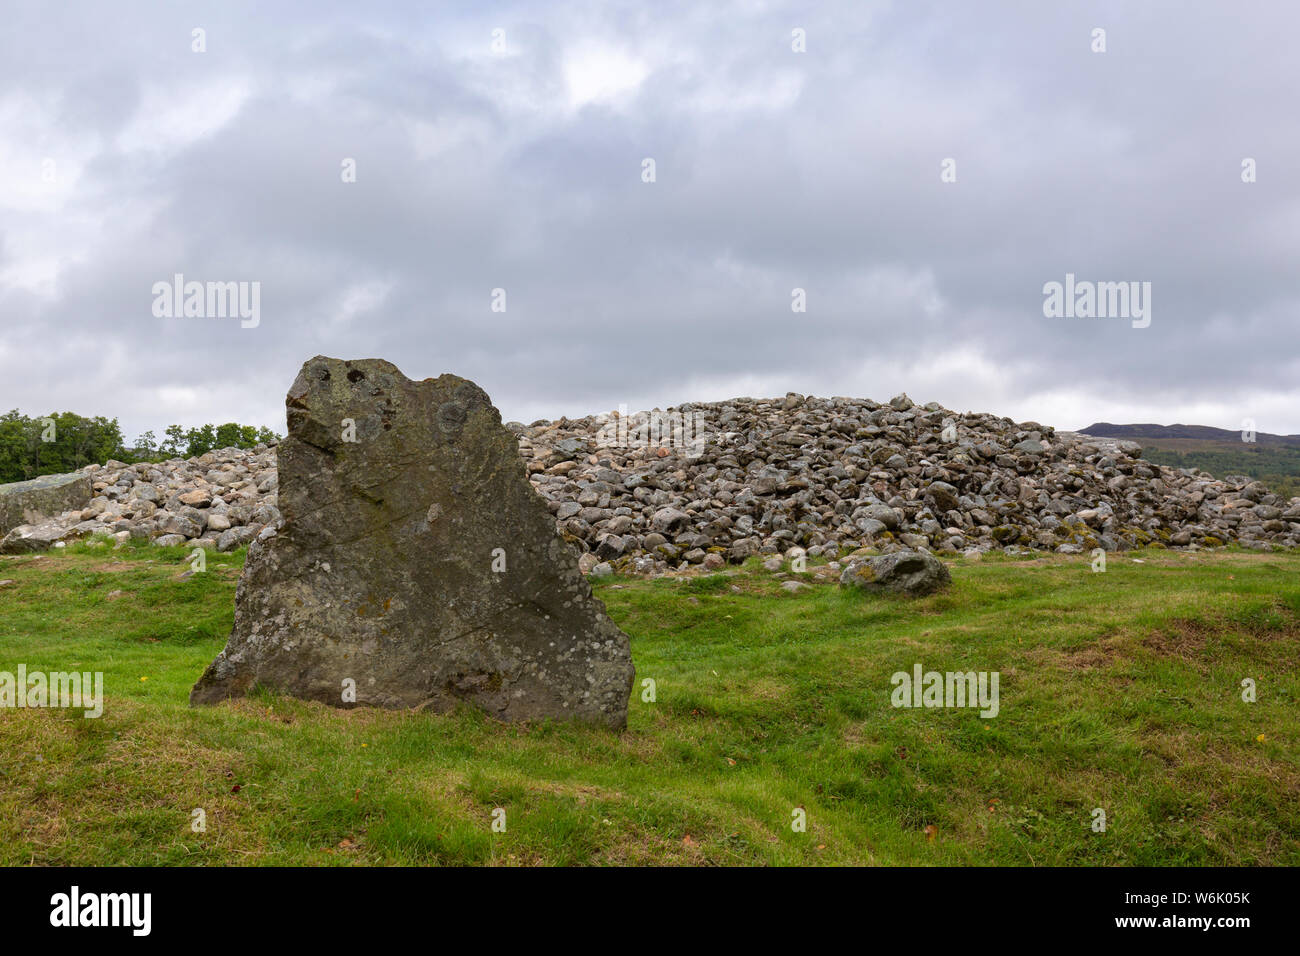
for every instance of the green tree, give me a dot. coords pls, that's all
(55, 443)
(14, 428)
(175, 443)
(200, 440)
(234, 435)
(65, 441)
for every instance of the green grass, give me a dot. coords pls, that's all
(1118, 690)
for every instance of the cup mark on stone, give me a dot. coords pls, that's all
(451, 417)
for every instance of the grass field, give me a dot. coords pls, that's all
(1118, 690)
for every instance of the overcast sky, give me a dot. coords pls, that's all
(127, 157)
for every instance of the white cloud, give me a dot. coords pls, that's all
(360, 299)
(171, 117)
(601, 73)
(776, 170)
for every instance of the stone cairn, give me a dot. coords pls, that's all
(709, 483)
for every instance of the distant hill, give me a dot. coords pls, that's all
(1273, 459)
(1163, 433)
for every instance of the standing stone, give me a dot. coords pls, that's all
(416, 561)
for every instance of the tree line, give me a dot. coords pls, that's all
(65, 441)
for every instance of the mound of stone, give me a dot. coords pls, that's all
(415, 566)
(219, 501)
(715, 482)
(833, 475)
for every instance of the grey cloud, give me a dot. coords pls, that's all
(775, 170)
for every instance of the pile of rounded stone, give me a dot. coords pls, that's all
(220, 501)
(821, 476)
(830, 476)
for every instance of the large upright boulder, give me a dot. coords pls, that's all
(415, 564)
(30, 502)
